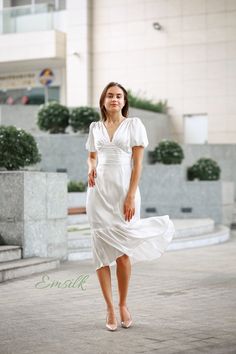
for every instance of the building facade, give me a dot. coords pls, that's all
(177, 50)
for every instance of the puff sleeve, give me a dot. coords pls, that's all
(90, 140)
(138, 133)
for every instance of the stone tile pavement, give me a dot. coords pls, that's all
(183, 302)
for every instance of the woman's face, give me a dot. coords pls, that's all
(114, 100)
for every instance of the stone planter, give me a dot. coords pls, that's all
(33, 212)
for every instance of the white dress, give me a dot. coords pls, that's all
(141, 239)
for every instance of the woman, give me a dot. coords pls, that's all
(119, 236)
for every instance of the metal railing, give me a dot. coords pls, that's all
(27, 18)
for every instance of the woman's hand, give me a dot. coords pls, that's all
(91, 177)
(129, 207)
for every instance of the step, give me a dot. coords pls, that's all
(10, 253)
(78, 234)
(79, 242)
(77, 219)
(192, 227)
(83, 242)
(79, 255)
(220, 234)
(26, 266)
(78, 227)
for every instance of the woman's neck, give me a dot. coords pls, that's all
(115, 118)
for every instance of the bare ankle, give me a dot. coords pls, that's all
(123, 305)
(110, 308)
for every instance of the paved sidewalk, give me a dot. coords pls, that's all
(184, 302)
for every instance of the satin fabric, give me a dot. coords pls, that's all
(141, 239)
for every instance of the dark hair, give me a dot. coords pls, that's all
(102, 98)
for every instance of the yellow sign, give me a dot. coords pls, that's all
(46, 77)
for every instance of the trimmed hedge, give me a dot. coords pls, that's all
(81, 117)
(168, 152)
(53, 117)
(205, 169)
(17, 148)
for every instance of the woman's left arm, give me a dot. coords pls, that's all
(129, 204)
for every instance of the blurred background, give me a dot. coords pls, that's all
(180, 50)
(176, 58)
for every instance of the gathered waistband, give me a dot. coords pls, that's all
(111, 155)
(114, 160)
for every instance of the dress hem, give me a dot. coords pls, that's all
(159, 252)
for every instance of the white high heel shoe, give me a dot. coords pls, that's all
(127, 323)
(111, 327)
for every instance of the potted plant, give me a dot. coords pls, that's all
(166, 159)
(53, 117)
(81, 117)
(205, 169)
(17, 148)
(168, 152)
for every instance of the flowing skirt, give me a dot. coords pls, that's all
(141, 239)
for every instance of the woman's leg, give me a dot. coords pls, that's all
(104, 276)
(123, 272)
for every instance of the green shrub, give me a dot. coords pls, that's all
(205, 169)
(76, 186)
(53, 117)
(148, 105)
(17, 148)
(168, 152)
(81, 117)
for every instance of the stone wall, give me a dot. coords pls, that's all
(164, 190)
(169, 183)
(20, 116)
(68, 151)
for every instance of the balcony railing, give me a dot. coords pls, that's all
(27, 19)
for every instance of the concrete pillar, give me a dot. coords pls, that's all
(78, 53)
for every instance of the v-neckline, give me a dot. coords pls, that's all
(111, 140)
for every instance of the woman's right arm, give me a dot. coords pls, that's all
(92, 163)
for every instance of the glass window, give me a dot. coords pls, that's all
(55, 4)
(45, 2)
(35, 96)
(15, 3)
